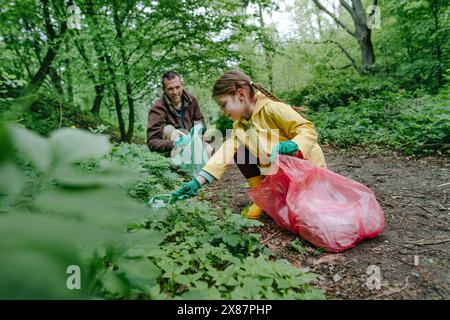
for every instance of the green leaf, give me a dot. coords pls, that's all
(194, 295)
(142, 273)
(12, 180)
(283, 283)
(36, 250)
(70, 145)
(109, 207)
(232, 239)
(34, 147)
(116, 282)
(106, 175)
(143, 242)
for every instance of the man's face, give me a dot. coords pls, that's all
(173, 89)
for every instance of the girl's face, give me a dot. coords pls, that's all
(234, 107)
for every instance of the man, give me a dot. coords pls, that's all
(175, 112)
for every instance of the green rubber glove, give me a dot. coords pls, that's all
(183, 140)
(186, 191)
(288, 147)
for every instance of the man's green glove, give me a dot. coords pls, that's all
(288, 147)
(183, 140)
(186, 191)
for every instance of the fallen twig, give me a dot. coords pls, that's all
(424, 242)
(271, 236)
(427, 210)
(385, 203)
(444, 184)
(352, 165)
(390, 292)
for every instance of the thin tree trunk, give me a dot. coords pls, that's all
(437, 43)
(101, 56)
(99, 87)
(69, 81)
(126, 71)
(56, 40)
(267, 54)
(99, 94)
(117, 102)
(57, 83)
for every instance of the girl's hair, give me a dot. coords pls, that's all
(230, 82)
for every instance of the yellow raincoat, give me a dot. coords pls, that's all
(270, 123)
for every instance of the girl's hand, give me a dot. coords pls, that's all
(288, 147)
(188, 189)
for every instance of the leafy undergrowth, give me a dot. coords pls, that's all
(415, 126)
(67, 200)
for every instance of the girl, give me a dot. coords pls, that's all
(263, 126)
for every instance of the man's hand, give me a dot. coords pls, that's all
(186, 191)
(183, 140)
(288, 147)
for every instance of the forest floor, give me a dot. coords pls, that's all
(412, 253)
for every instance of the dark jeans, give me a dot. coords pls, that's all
(247, 162)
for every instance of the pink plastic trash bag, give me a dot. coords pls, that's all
(324, 208)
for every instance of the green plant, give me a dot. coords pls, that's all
(326, 94)
(394, 120)
(223, 123)
(64, 202)
(212, 256)
(54, 215)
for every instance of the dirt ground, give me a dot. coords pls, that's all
(412, 254)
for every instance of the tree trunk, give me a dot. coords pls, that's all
(101, 57)
(267, 54)
(363, 35)
(70, 95)
(126, 71)
(117, 102)
(437, 43)
(57, 83)
(367, 52)
(99, 90)
(56, 40)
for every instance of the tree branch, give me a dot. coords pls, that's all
(347, 54)
(333, 16)
(48, 24)
(347, 6)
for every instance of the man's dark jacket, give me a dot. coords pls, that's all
(163, 113)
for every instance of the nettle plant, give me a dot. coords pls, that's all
(65, 200)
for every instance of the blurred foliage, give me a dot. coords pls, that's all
(65, 200)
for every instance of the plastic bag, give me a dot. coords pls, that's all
(322, 207)
(192, 157)
(160, 201)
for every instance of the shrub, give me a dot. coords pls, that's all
(413, 125)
